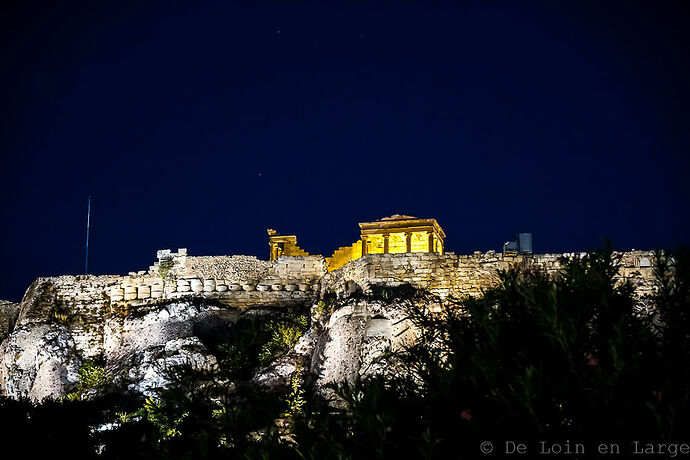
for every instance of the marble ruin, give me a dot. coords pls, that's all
(396, 234)
(393, 250)
(145, 320)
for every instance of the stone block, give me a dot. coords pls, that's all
(183, 286)
(143, 292)
(196, 285)
(209, 285)
(117, 295)
(130, 292)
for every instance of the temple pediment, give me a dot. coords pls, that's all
(397, 217)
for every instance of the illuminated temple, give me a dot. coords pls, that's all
(394, 234)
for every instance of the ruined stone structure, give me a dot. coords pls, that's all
(452, 275)
(393, 250)
(235, 281)
(145, 321)
(396, 234)
(283, 245)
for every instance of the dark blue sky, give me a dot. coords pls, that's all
(201, 124)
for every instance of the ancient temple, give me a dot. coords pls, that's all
(394, 234)
(283, 245)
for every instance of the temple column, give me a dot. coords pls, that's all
(408, 241)
(385, 243)
(364, 246)
(431, 242)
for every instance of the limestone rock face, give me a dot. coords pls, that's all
(354, 341)
(38, 362)
(140, 347)
(152, 367)
(145, 348)
(279, 372)
(41, 358)
(9, 311)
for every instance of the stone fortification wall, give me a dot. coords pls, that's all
(91, 304)
(459, 275)
(238, 268)
(237, 281)
(82, 301)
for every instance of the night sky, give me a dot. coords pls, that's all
(200, 125)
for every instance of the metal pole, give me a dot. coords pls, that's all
(88, 222)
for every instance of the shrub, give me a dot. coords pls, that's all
(540, 357)
(91, 377)
(285, 334)
(165, 270)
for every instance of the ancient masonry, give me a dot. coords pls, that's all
(150, 316)
(392, 251)
(397, 234)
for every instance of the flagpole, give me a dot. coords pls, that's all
(88, 222)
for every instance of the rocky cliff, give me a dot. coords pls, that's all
(9, 311)
(140, 327)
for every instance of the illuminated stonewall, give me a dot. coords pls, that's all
(396, 234)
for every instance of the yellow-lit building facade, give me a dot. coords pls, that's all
(283, 245)
(395, 234)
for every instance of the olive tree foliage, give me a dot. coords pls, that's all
(539, 357)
